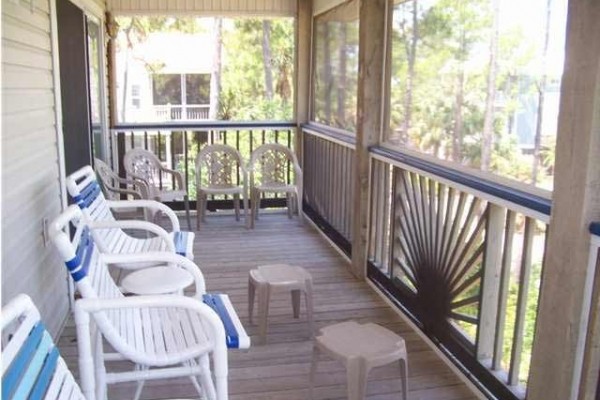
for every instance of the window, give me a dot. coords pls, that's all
(336, 67)
(135, 96)
(197, 88)
(478, 85)
(166, 89)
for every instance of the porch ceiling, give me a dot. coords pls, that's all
(225, 8)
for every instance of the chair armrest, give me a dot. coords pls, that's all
(178, 177)
(100, 308)
(136, 195)
(150, 204)
(162, 257)
(136, 225)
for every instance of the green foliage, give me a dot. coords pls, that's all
(442, 102)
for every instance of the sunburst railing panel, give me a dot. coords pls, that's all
(466, 264)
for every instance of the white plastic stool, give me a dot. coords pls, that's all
(360, 348)
(157, 280)
(267, 279)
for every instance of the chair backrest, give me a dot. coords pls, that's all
(143, 164)
(82, 257)
(274, 161)
(86, 192)
(110, 181)
(222, 166)
(31, 364)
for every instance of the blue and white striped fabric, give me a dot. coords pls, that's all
(87, 194)
(235, 334)
(32, 367)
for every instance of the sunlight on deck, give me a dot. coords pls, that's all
(226, 251)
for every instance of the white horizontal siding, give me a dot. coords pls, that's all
(205, 7)
(30, 172)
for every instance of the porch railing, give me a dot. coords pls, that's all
(328, 184)
(177, 144)
(462, 256)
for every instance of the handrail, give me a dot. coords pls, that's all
(330, 134)
(224, 125)
(501, 191)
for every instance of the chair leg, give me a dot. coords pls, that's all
(140, 383)
(245, 203)
(356, 374)
(199, 207)
(251, 295)
(236, 206)
(206, 378)
(256, 204)
(186, 202)
(288, 202)
(313, 371)
(296, 302)
(308, 297)
(404, 377)
(264, 294)
(298, 206)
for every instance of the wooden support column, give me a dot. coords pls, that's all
(303, 68)
(111, 28)
(369, 120)
(576, 202)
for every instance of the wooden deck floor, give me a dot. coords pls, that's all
(225, 252)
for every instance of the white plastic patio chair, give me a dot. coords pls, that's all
(31, 364)
(166, 336)
(217, 167)
(267, 169)
(85, 191)
(111, 183)
(143, 165)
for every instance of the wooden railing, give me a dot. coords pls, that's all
(460, 255)
(328, 184)
(177, 144)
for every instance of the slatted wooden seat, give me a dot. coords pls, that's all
(165, 336)
(31, 364)
(86, 193)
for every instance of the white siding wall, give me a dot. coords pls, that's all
(30, 171)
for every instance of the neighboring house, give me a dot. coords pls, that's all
(159, 83)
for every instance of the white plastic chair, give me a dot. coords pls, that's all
(111, 183)
(143, 165)
(188, 331)
(268, 168)
(85, 191)
(217, 167)
(28, 347)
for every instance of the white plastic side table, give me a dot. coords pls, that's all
(267, 279)
(360, 347)
(157, 280)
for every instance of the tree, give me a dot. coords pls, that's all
(487, 140)
(537, 141)
(267, 59)
(215, 76)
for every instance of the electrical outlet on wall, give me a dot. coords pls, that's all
(45, 236)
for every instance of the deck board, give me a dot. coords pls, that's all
(226, 251)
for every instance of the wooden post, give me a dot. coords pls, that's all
(369, 120)
(303, 68)
(492, 268)
(576, 202)
(111, 70)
